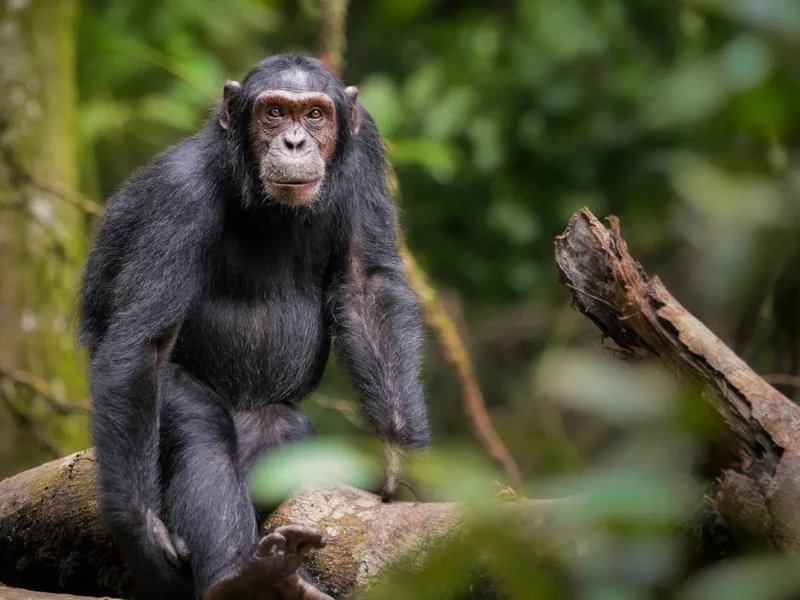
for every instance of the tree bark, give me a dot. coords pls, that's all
(762, 496)
(51, 538)
(14, 594)
(42, 237)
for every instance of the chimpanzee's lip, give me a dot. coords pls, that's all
(296, 183)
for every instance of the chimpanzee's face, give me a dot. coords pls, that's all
(293, 135)
(292, 130)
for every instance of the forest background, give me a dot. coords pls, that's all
(501, 120)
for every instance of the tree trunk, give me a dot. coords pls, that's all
(762, 497)
(41, 230)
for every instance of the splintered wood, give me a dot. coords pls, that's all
(646, 321)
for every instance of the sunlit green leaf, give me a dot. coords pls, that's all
(317, 462)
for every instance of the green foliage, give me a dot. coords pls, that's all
(762, 577)
(315, 462)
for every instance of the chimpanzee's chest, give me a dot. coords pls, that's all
(259, 332)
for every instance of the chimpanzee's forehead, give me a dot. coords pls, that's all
(296, 80)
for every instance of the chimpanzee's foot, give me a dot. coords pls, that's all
(271, 573)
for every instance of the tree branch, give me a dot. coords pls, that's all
(40, 389)
(643, 318)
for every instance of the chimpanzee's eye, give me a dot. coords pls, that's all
(275, 112)
(315, 114)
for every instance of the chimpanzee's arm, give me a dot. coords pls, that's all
(377, 329)
(156, 285)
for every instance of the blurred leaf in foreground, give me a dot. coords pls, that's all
(316, 462)
(775, 577)
(614, 390)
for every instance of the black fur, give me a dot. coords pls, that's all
(252, 293)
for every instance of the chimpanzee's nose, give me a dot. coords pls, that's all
(294, 140)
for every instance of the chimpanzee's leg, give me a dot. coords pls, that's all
(262, 430)
(274, 569)
(206, 501)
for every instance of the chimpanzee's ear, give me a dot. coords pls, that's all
(228, 92)
(355, 116)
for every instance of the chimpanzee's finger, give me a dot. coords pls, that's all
(161, 536)
(389, 490)
(268, 543)
(301, 539)
(181, 548)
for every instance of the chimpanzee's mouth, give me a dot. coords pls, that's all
(296, 183)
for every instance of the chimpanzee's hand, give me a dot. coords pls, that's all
(156, 559)
(394, 471)
(172, 546)
(395, 458)
(272, 570)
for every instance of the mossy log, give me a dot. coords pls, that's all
(762, 496)
(52, 540)
(7, 593)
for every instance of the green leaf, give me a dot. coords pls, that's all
(315, 463)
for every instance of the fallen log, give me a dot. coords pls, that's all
(51, 538)
(762, 496)
(15, 594)
(12, 594)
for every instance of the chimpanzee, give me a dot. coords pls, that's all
(220, 275)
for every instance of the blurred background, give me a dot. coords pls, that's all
(501, 120)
